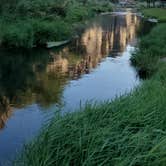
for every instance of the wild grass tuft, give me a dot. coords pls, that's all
(152, 49)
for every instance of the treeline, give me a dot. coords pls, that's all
(28, 23)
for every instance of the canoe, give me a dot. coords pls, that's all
(56, 44)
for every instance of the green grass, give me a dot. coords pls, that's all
(152, 48)
(129, 131)
(158, 13)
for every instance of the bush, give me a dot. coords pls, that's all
(45, 31)
(46, 20)
(28, 33)
(19, 34)
(152, 49)
(77, 13)
(102, 7)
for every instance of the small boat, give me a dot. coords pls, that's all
(56, 44)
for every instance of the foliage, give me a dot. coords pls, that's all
(33, 32)
(50, 31)
(152, 49)
(45, 20)
(77, 13)
(19, 34)
(104, 6)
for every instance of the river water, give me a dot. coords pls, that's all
(35, 83)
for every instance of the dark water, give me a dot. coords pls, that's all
(33, 84)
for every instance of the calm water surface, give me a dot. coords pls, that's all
(34, 84)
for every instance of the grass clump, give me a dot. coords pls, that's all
(152, 49)
(158, 13)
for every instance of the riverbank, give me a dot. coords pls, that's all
(157, 13)
(151, 51)
(127, 131)
(29, 24)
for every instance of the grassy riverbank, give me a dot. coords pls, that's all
(152, 51)
(127, 131)
(158, 13)
(26, 23)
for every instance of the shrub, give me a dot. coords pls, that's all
(77, 13)
(152, 49)
(28, 33)
(19, 34)
(45, 31)
(48, 20)
(102, 7)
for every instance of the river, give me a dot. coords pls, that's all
(35, 83)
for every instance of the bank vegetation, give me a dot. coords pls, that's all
(30, 23)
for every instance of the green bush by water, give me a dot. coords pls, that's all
(77, 13)
(50, 31)
(19, 34)
(26, 23)
(33, 32)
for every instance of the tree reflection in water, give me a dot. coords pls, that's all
(39, 76)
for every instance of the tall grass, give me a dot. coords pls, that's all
(152, 48)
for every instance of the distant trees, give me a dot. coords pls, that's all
(152, 3)
(163, 3)
(149, 3)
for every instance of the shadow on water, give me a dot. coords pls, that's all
(38, 79)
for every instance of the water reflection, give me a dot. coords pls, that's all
(39, 76)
